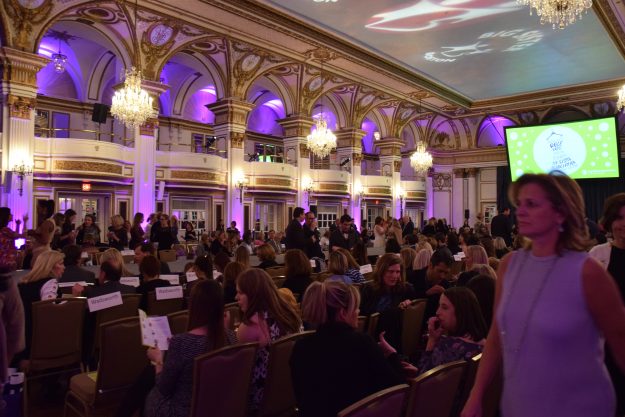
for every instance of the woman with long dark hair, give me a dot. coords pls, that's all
(137, 234)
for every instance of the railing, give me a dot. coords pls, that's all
(98, 136)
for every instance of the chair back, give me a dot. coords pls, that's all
(275, 271)
(167, 255)
(278, 395)
(467, 383)
(234, 312)
(362, 323)
(456, 267)
(122, 360)
(178, 321)
(221, 380)
(372, 327)
(412, 321)
(97, 258)
(129, 308)
(57, 333)
(385, 403)
(128, 259)
(440, 383)
(163, 307)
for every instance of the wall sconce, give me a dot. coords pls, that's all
(241, 182)
(308, 185)
(22, 170)
(376, 135)
(359, 191)
(401, 194)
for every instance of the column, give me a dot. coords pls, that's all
(296, 128)
(19, 99)
(472, 205)
(349, 146)
(429, 195)
(146, 136)
(231, 123)
(458, 197)
(390, 164)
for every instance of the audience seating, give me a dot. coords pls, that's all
(129, 308)
(278, 397)
(97, 258)
(362, 323)
(235, 315)
(122, 359)
(163, 307)
(372, 326)
(385, 403)
(412, 320)
(275, 271)
(56, 343)
(456, 268)
(128, 259)
(467, 383)
(178, 321)
(221, 381)
(167, 255)
(279, 280)
(432, 393)
(191, 248)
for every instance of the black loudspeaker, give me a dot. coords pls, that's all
(100, 112)
(466, 214)
(313, 208)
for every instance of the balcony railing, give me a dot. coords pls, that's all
(83, 134)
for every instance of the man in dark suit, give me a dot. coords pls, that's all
(501, 226)
(146, 249)
(345, 236)
(73, 271)
(295, 235)
(407, 226)
(108, 281)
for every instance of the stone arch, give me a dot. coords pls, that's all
(443, 134)
(564, 114)
(285, 92)
(276, 86)
(490, 131)
(100, 76)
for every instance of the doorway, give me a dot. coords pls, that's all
(96, 205)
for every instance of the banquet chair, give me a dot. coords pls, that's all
(221, 381)
(167, 255)
(163, 307)
(385, 403)
(178, 321)
(432, 393)
(412, 320)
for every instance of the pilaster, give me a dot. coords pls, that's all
(19, 99)
(230, 124)
(390, 165)
(349, 146)
(296, 128)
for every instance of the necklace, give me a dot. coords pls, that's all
(532, 304)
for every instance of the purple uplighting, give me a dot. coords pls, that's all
(263, 117)
(491, 131)
(367, 141)
(196, 106)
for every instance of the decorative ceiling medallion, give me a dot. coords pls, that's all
(250, 62)
(99, 14)
(31, 4)
(368, 99)
(160, 34)
(315, 83)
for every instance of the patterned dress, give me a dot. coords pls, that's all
(448, 349)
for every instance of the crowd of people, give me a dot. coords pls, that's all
(528, 295)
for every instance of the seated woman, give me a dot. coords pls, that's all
(337, 366)
(116, 257)
(40, 284)
(150, 269)
(171, 395)
(475, 255)
(266, 317)
(231, 272)
(189, 233)
(337, 265)
(457, 332)
(297, 271)
(204, 246)
(353, 268)
(418, 277)
(242, 255)
(266, 255)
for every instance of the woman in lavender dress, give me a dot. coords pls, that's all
(554, 306)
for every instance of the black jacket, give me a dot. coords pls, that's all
(295, 236)
(75, 273)
(338, 239)
(337, 366)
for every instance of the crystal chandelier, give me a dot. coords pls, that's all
(421, 160)
(59, 60)
(620, 104)
(559, 13)
(321, 141)
(132, 105)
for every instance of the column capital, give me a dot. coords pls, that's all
(459, 172)
(149, 127)
(296, 125)
(21, 68)
(231, 111)
(349, 137)
(21, 107)
(390, 146)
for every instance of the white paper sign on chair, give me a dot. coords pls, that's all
(105, 301)
(167, 293)
(173, 279)
(132, 281)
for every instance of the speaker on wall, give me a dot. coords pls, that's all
(313, 208)
(100, 112)
(466, 214)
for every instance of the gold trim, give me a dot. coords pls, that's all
(379, 190)
(21, 107)
(87, 166)
(198, 176)
(273, 181)
(332, 187)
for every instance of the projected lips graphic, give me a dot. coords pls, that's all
(425, 15)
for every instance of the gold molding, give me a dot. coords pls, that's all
(480, 156)
(415, 195)
(379, 190)
(357, 158)
(332, 187)
(198, 176)
(20, 67)
(281, 182)
(87, 166)
(304, 152)
(237, 139)
(148, 128)
(397, 166)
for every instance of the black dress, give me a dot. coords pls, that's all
(337, 366)
(616, 268)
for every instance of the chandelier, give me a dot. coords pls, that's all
(132, 105)
(421, 160)
(620, 104)
(559, 13)
(321, 141)
(59, 60)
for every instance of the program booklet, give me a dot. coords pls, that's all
(155, 331)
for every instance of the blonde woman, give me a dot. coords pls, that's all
(353, 268)
(118, 235)
(40, 284)
(394, 232)
(116, 257)
(242, 256)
